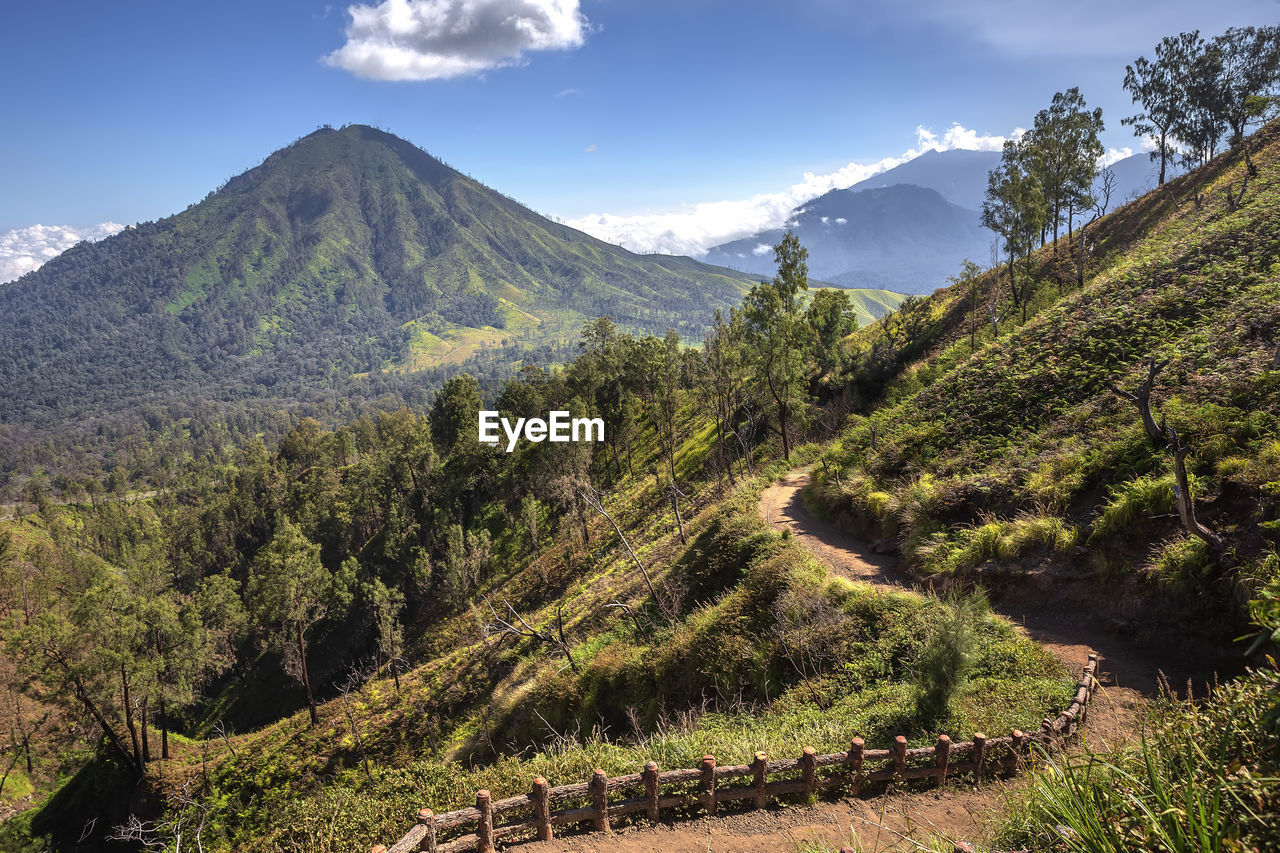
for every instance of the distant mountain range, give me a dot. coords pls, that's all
(907, 229)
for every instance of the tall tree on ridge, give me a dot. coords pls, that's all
(1014, 209)
(1063, 150)
(777, 334)
(1160, 89)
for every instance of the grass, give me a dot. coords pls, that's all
(1204, 776)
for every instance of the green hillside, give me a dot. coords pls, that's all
(1019, 447)
(870, 305)
(348, 252)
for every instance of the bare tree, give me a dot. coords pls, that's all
(356, 677)
(592, 499)
(521, 628)
(675, 494)
(1182, 492)
(180, 829)
(1142, 398)
(1106, 187)
(996, 319)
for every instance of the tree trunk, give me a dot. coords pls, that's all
(164, 731)
(1186, 506)
(128, 721)
(1162, 158)
(306, 676)
(675, 505)
(146, 742)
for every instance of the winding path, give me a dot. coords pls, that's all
(1129, 674)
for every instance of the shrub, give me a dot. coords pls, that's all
(1133, 502)
(945, 658)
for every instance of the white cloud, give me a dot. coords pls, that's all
(25, 249)
(590, 149)
(1114, 155)
(762, 249)
(825, 220)
(695, 228)
(840, 220)
(438, 39)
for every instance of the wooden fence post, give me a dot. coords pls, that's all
(651, 789)
(979, 752)
(809, 769)
(600, 800)
(856, 748)
(541, 808)
(427, 818)
(942, 755)
(484, 826)
(378, 848)
(1018, 740)
(760, 768)
(709, 783)
(899, 757)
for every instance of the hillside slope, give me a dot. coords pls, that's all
(1010, 456)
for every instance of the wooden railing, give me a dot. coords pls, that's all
(543, 808)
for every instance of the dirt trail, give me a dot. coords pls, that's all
(1128, 673)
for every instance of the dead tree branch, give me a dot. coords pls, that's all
(1142, 398)
(502, 626)
(1182, 492)
(593, 501)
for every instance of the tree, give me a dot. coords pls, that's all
(1203, 120)
(722, 380)
(832, 317)
(1062, 150)
(289, 592)
(1248, 60)
(1014, 208)
(1105, 188)
(969, 274)
(385, 604)
(777, 335)
(455, 413)
(1160, 89)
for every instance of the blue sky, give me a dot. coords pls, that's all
(630, 109)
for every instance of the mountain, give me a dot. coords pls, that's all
(903, 237)
(349, 251)
(959, 176)
(907, 228)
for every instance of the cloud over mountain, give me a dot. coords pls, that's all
(696, 228)
(25, 249)
(438, 39)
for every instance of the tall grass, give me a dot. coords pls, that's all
(1204, 777)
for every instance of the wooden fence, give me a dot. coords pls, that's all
(703, 789)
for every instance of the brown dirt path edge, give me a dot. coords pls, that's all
(1129, 674)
